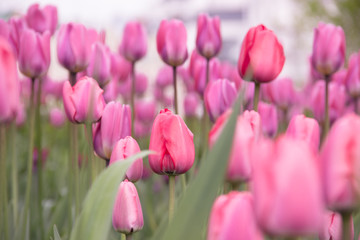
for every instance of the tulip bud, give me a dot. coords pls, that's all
(332, 227)
(134, 42)
(114, 125)
(57, 117)
(280, 92)
(120, 68)
(262, 56)
(232, 217)
(127, 213)
(171, 42)
(17, 26)
(42, 20)
(219, 96)
(4, 29)
(34, 53)
(173, 143)
(269, 119)
(339, 76)
(352, 79)
(200, 74)
(84, 101)
(145, 111)
(191, 104)
(208, 38)
(100, 64)
(328, 49)
(123, 149)
(164, 77)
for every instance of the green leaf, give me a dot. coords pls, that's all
(56, 234)
(191, 215)
(94, 220)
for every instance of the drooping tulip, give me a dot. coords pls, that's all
(208, 38)
(332, 227)
(352, 79)
(269, 118)
(84, 101)
(133, 46)
(232, 217)
(173, 143)
(115, 124)
(100, 64)
(124, 148)
(42, 20)
(127, 214)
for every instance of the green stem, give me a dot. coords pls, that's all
(183, 182)
(171, 196)
(256, 96)
(346, 225)
(4, 199)
(29, 162)
(327, 120)
(204, 119)
(72, 78)
(14, 174)
(75, 167)
(129, 236)
(175, 91)
(90, 151)
(132, 97)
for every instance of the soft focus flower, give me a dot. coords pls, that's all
(4, 29)
(232, 217)
(57, 117)
(191, 104)
(332, 227)
(127, 213)
(133, 46)
(328, 49)
(339, 76)
(164, 77)
(219, 96)
(287, 188)
(53, 88)
(173, 143)
(44, 155)
(100, 64)
(262, 56)
(208, 38)
(17, 26)
(115, 124)
(42, 20)
(171, 42)
(352, 79)
(84, 101)
(34, 53)
(145, 111)
(199, 73)
(340, 157)
(120, 68)
(280, 92)
(269, 118)
(141, 84)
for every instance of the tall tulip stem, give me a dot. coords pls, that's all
(91, 159)
(204, 124)
(75, 167)
(14, 174)
(346, 225)
(175, 91)
(171, 196)
(356, 105)
(129, 236)
(4, 207)
(327, 120)
(256, 96)
(132, 97)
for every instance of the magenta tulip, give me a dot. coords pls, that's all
(280, 92)
(57, 117)
(332, 227)
(133, 46)
(4, 29)
(84, 101)
(199, 72)
(208, 38)
(17, 26)
(191, 104)
(120, 68)
(269, 118)
(173, 143)
(171, 42)
(127, 214)
(164, 77)
(352, 79)
(339, 76)
(100, 64)
(42, 20)
(145, 111)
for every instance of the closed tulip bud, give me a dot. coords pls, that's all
(173, 143)
(74, 44)
(100, 64)
(352, 79)
(42, 20)
(305, 129)
(145, 111)
(57, 117)
(328, 49)
(284, 172)
(34, 53)
(232, 217)
(133, 46)
(17, 26)
(191, 104)
(332, 227)
(115, 124)
(269, 118)
(262, 56)
(200, 74)
(171, 42)
(219, 96)
(123, 149)
(280, 92)
(84, 101)
(9, 83)
(127, 214)
(208, 38)
(120, 68)
(340, 162)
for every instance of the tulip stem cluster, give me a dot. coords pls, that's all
(3, 200)
(256, 96)
(171, 196)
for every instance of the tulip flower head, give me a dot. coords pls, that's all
(332, 227)
(352, 79)
(133, 46)
(100, 64)
(208, 38)
(42, 20)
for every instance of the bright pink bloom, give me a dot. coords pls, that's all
(332, 227)
(173, 143)
(232, 217)
(280, 92)
(208, 38)
(191, 104)
(341, 164)
(120, 68)
(269, 118)
(123, 149)
(352, 79)
(100, 64)
(262, 56)
(133, 46)
(77, 100)
(127, 213)
(17, 26)
(57, 117)
(171, 42)
(328, 49)
(4, 29)
(339, 76)
(286, 185)
(42, 20)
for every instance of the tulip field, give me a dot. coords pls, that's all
(207, 150)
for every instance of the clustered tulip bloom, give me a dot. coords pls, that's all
(42, 20)
(208, 38)
(133, 46)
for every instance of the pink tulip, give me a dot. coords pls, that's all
(114, 125)
(74, 44)
(287, 188)
(84, 101)
(340, 162)
(352, 79)
(57, 117)
(305, 129)
(219, 96)
(17, 26)
(328, 49)
(230, 72)
(42, 20)
(141, 84)
(247, 132)
(127, 213)
(200, 74)
(339, 76)
(164, 98)
(173, 143)
(120, 68)
(191, 104)
(262, 56)
(171, 42)
(208, 38)
(145, 111)
(232, 217)
(9, 83)
(133, 46)
(184, 74)
(124, 148)
(269, 118)
(4, 29)
(332, 227)
(164, 77)
(53, 87)
(100, 64)
(280, 92)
